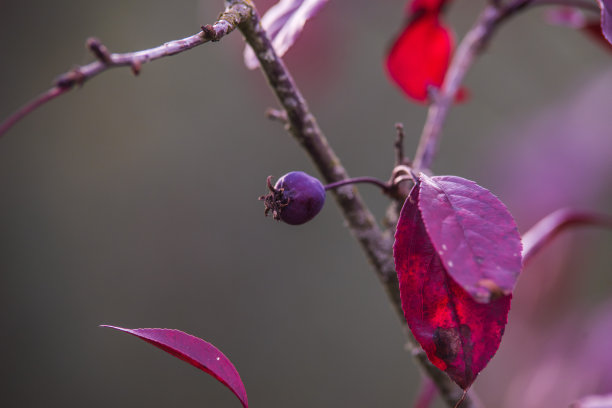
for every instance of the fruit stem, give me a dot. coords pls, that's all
(379, 183)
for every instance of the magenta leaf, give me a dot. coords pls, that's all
(473, 233)
(196, 352)
(606, 19)
(283, 23)
(458, 334)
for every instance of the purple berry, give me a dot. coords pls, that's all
(295, 198)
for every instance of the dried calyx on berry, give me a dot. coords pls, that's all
(296, 198)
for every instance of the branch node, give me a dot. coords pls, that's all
(402, 173)
(236, 12)
(136, 65)
(209, 33)
(70, 79)
(279, 115)
(99, 50)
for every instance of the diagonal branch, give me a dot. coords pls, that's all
(227, 22)
(545, 230)
(304, 127)
(462, 61)
(469, 48)
(29, 107)
(376, 245)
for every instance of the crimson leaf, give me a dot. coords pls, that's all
(196, 352)
(420, 56)
(473, 233)
(458, 334)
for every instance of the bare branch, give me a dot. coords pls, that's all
(548, 227)
(31, 106)
(303, 126)
(462, 61)
(399, 145)
(370, 180)
(472, 44)
(376, 245)
(227, 22)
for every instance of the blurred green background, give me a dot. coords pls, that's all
(133, 201)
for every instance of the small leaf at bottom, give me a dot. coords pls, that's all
(196, 352)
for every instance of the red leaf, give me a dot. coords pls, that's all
(420, 56)
(474, 235)
(196, 352)
(458, 334)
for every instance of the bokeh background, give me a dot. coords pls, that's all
(133, 202)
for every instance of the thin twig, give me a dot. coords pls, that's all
(462, 61)
(227, 22)
(473, 43)
(467, 51)
(399, 144)
(371, 180)
(31, 106)
(376, 245)
(548, 227)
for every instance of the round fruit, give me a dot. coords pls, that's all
(296, 198)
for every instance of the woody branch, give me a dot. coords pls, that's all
(228, 21)
(469, 48)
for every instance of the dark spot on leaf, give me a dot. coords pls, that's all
(447, 342)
